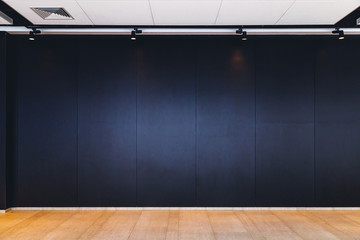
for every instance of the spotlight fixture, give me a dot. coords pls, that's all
(134, 32)
(133, 36)
(341, 35)
(31, 36)
(244, 36)
(340, 32)
(33, 33)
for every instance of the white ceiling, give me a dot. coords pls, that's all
(191, 12)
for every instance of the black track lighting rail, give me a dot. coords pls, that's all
(243, 33)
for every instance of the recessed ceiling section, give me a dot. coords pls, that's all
(186, 12)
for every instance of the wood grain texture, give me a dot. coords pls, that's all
(178, 225)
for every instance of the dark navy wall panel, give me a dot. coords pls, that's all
(182, 121)
(284, 123)
(107, 122)
(47, 118)
(166, 122)
(2, 120)
(338, 124)
(226, 123)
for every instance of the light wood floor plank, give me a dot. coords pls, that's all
(172, 232)
(117, 226)
(74, 226)
(195, 225)
(271, 226)
(152, 225)
(227, 226)
(307, 230)
(340, 222)
(37, 226)
(96, 227)
(10, 219)
(249, 225)
(182, 225)
(352, 215)
(314, 219)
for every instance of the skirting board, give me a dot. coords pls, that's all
(184, 208)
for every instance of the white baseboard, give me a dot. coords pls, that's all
(183, 208)
(2, 211)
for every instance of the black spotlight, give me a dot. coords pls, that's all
(244, 36)
(340, 32)
(134, 32)
(341, 35)
(133, 35)
(32, 34)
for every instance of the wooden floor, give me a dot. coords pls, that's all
(144, 225)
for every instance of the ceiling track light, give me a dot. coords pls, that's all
(244, 36)
(32, 34)
(133, 35)
(340, 33)
(134, 32)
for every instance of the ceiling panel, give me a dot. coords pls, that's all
(185, 12)
(118, 12)
(314, 12)
(235, 12)
(24, 8)
(191, 12)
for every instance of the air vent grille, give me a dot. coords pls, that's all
(53, 13)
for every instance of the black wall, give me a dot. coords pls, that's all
(2, 120)
(185, 121)
(285, 123)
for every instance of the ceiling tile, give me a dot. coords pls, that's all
(71, 6)
(118, 12)
(239, 12)
(185, 12)
(312, 12)
(191, 12)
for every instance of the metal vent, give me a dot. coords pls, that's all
(358, 21)
(53, 13)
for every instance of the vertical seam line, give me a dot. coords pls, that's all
(136, 125)
(77, 128)
(196, 123)
(315, 76)
(255, 116)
